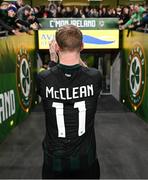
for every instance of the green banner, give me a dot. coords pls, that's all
(134, 73)
(82, 23)
(17, 74)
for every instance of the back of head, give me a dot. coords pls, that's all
(69, 38)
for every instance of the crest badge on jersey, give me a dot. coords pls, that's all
(136, 76)
(24, 79)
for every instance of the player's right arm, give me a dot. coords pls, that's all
(53, 54)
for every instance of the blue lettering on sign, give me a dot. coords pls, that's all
(46, 36)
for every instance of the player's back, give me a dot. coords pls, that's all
(70, 101)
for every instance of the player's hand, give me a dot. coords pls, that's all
(52, 51)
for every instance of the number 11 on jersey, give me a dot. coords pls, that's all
(81, 106)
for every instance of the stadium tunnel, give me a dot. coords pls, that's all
(121, 117)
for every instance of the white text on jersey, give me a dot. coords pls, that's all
(70, 93)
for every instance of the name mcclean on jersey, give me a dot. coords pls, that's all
(67, 94)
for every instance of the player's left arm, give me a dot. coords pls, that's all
(40, 81)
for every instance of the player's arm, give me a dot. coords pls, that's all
(53, 54)
(40, 81)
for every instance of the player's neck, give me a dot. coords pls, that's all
(69, 58)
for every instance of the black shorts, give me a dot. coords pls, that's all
(92, 172)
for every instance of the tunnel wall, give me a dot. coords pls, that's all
(17, 73)
(134, 73)
(115, 77)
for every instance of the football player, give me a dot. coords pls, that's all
(69, 92)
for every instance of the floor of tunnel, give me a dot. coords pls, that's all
(107, 103)
(121, 139)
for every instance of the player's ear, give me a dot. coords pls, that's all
(82, 46)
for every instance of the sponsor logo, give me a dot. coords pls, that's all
(93, 39)
(136, 76)
(24, 81)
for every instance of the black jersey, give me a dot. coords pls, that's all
(70, 101)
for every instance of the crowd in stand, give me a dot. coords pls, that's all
(18, 17)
